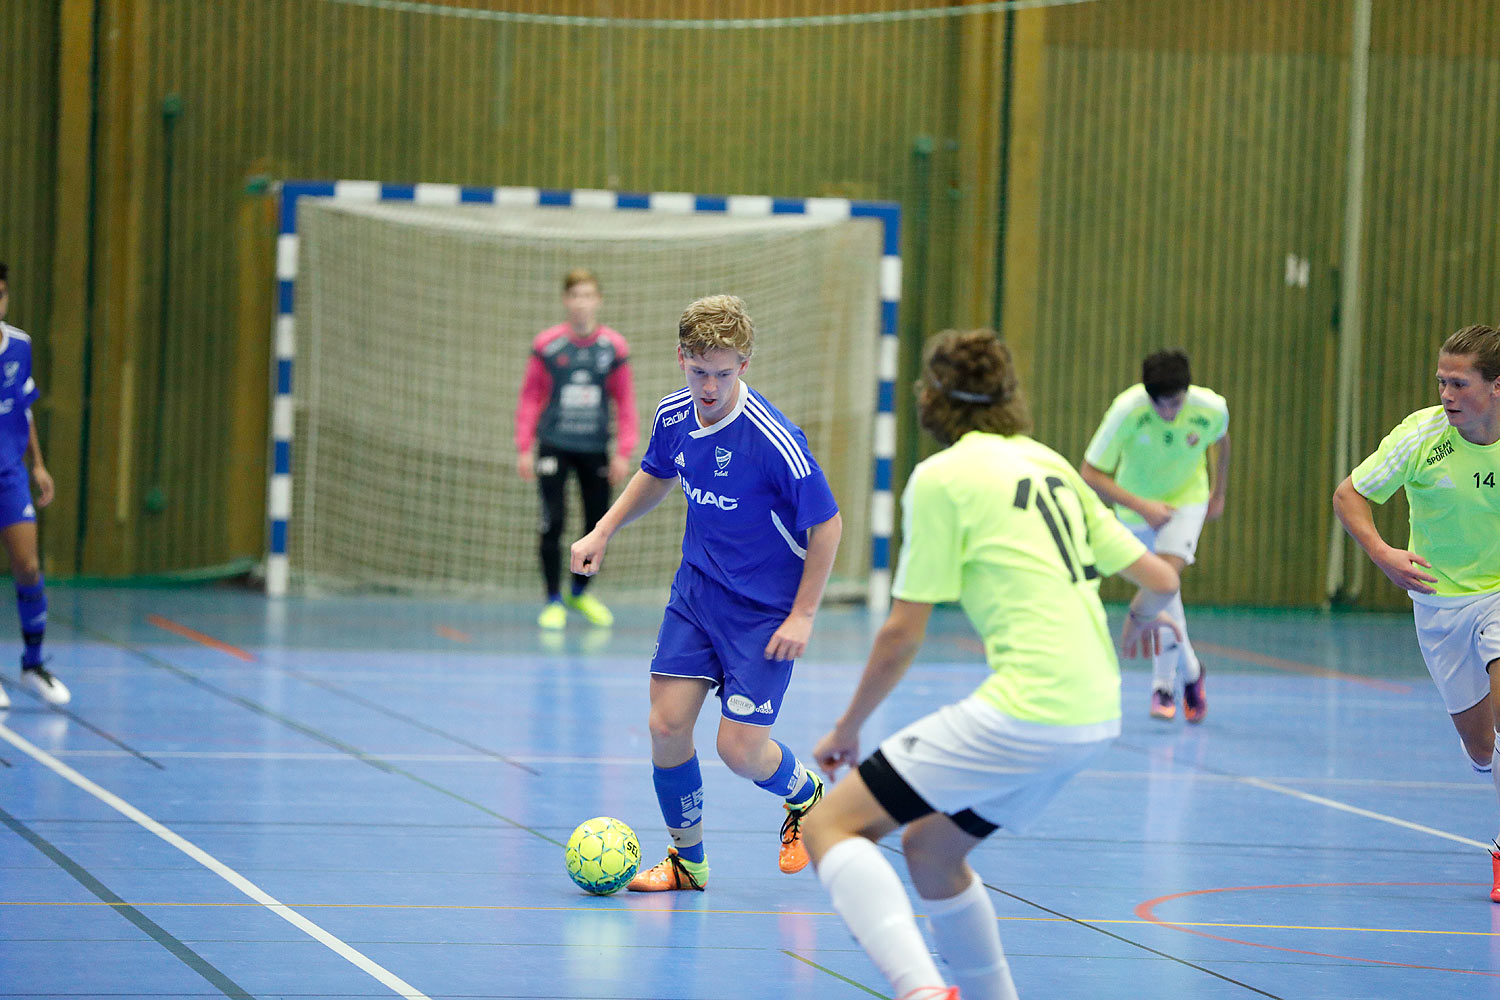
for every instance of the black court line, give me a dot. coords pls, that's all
(308, 731)
(1118, 937)
(1134, 944)
(86, 724)
(152, 929)
(823, 968)
(409, 720)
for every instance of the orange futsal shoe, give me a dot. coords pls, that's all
(1194, 698)
(793, 852)
(671, 875)
(1495, 873)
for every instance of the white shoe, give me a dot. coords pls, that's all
(40, 680)
(4, 700)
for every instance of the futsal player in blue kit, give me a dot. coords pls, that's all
(761, 533)
(19, 451)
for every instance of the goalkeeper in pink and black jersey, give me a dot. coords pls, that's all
(577, 369)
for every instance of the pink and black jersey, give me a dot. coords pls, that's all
(567, 390)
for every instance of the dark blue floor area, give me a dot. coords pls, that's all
(368, 797)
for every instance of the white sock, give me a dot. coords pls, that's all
(1174, 653)
(968, 939)
(868, 894)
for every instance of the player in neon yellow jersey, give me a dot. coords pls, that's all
(1149, 459)
(1448, 459)
(1005, 526)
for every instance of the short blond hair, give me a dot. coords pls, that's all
(1482, 343)
(581, 276)
(716, 322)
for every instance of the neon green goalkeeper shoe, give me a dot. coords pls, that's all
(591, 608)
(553, 616)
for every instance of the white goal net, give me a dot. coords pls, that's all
(414, 326)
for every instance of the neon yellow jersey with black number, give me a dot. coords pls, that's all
(1006, 527)
(1453, 492)
(1152, 458)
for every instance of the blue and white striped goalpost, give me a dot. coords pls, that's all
(888, 214)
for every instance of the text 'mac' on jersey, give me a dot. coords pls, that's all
(18, 392)
(753, 489)
(1006, 527)
(1452, 494)
(1155, 459)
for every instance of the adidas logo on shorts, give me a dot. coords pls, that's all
(764, 708)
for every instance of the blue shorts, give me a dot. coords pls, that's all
(15, 497)
(710, 632)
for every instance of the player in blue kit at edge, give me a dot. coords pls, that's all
(762, 530)
(19, 448)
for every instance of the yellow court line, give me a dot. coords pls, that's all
(771, 913)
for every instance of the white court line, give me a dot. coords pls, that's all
(1271, 786)
(396, 984)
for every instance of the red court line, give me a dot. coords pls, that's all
(1297, 667)
(1146, 911)
(207, 640)
(453, 633)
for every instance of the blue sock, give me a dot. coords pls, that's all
(679, 792)
(31, 605)
(578, 588)
(791, 780)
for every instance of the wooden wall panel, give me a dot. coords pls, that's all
(1433, 252)
(1167, 156)
(28, 155)
(1175, 183)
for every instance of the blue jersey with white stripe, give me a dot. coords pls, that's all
(17, 394)
(752, 487)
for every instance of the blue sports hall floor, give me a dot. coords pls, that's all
(368, 797)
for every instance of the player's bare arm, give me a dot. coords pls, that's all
(44, 486)
(619, 467)
(1103, 483)
(1221, 480)
(641, 494)
(1399, 565)
(790, 640)
(1147, 621)
(896, 645)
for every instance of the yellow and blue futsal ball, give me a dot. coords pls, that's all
(603, 854)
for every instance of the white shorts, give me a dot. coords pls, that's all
(1458, 644)
(981, 767)
(1178, 537)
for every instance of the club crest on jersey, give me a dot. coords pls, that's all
(11, 369)
(1192, 438)
(722, 456)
